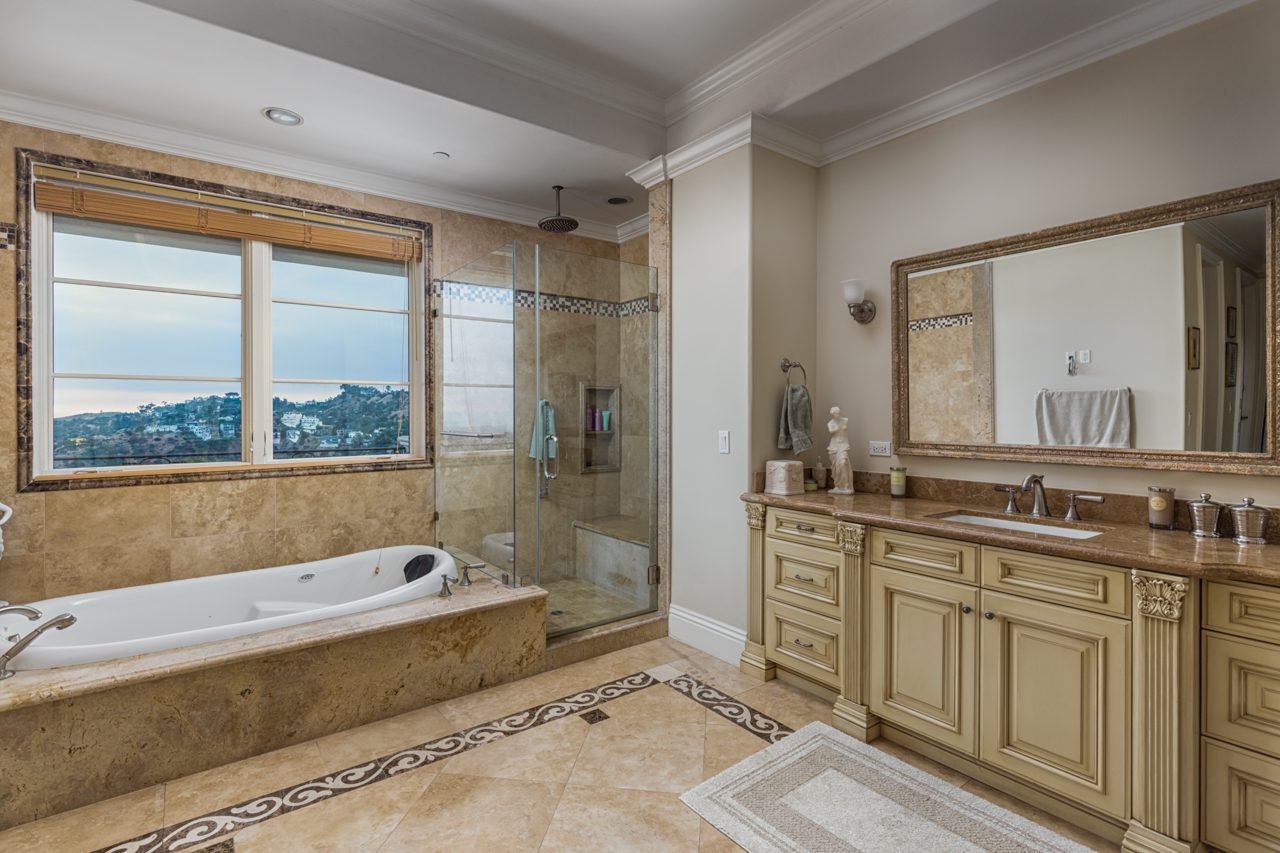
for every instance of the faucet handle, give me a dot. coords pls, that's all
(445, 580)
(1012, 506)
(464, 572)
(1073, 514)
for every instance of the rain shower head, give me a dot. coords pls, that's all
(558, 224)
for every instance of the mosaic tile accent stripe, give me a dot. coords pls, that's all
(492, 295)
(949, 321)
(209, 827)
(8, 236)
(759, 724)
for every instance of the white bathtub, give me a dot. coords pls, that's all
(117, 623)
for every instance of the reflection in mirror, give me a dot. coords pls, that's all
(1153, 339)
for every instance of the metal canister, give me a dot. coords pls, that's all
(1205, 515)
(1250, 523)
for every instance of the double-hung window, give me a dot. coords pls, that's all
(162, 343)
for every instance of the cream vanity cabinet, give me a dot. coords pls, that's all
(1240, 748)
(1017, 660)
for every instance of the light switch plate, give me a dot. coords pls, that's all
(1086, 356)
(724, 441)
(879, 448)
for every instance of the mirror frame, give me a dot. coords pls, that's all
(1255, 195)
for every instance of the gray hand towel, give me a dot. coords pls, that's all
(1084, 418)
(794, 429)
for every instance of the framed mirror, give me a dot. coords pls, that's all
(1144, 339)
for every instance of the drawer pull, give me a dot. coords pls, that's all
(804, 528)
(804, 578)
(988, 615)
(803, 645)
(966, 609)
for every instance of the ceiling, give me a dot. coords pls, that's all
(527, 93)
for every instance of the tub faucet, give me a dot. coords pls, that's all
(29, 612)
(65, 620)
(464, 572)
(1035, 484)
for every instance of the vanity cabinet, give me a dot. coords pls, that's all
(923, 654)
(1034, 688)
(1240, 723)
(1053, 698)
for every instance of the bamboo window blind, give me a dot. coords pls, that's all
(136, 203)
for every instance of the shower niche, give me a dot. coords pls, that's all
(546, 453)
(600, 449)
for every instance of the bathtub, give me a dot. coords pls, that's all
(120, 623)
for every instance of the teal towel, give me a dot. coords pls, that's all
(544, 424)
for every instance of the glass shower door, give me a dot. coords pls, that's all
(591, 438)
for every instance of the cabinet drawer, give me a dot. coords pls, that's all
(804, 527)
(1243, 609)
(1088, 586)
(803, 642)
(925, 554)
(1242, 692)
(1241, 800)
(803, 576)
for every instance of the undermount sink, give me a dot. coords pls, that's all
(1021, 526)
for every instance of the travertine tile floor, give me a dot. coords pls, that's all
(565, 785)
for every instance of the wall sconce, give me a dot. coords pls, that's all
(861, 308)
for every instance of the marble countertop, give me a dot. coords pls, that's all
(1174, 552)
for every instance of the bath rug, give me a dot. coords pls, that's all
(821, 791)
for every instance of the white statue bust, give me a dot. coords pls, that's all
(838, 449)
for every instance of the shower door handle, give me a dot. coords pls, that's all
(549, 444)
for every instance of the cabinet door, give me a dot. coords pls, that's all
(1055, 698)
(923, 652)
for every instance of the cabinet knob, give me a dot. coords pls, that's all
(966, 609)
(988, 615)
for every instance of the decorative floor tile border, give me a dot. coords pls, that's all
(758, 723)
(185, 835)
(189, 834)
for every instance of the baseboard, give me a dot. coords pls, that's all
(705, 634)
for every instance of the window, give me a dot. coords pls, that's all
(156, 348)
(477, 367)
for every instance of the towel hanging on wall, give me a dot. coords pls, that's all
(795, 428)
(544, 424)
(1085, 418)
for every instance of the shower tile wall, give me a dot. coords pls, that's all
(78, 541)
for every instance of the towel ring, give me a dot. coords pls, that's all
(788, 365)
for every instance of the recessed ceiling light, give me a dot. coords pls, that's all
(440, 155)
(619, 199)
(280, 115)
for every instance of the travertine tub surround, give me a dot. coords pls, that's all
(1173, 552)
(82, 734)
(78, 541)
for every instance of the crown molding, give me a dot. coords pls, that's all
(791, 37)
(650, 174)
(445, 31)
(1115, 35)
(633, 228)
(748, 129)
(67, 119)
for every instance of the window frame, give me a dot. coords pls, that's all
(36, 471)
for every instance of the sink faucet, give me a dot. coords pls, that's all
(66, 620)
(1035, 484)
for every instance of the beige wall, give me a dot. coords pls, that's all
(783, 268)
(75, 541)
(710, 385)
(1140, 128)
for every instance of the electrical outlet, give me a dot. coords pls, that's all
(879, 448)
(724, 441)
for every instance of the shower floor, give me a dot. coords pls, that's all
(576, 603)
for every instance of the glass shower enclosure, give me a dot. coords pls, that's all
(546, 451)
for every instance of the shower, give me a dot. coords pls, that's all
(558, 224)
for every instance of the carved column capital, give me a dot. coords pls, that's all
(1158, 598)
(755, 516)
(851, 537)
